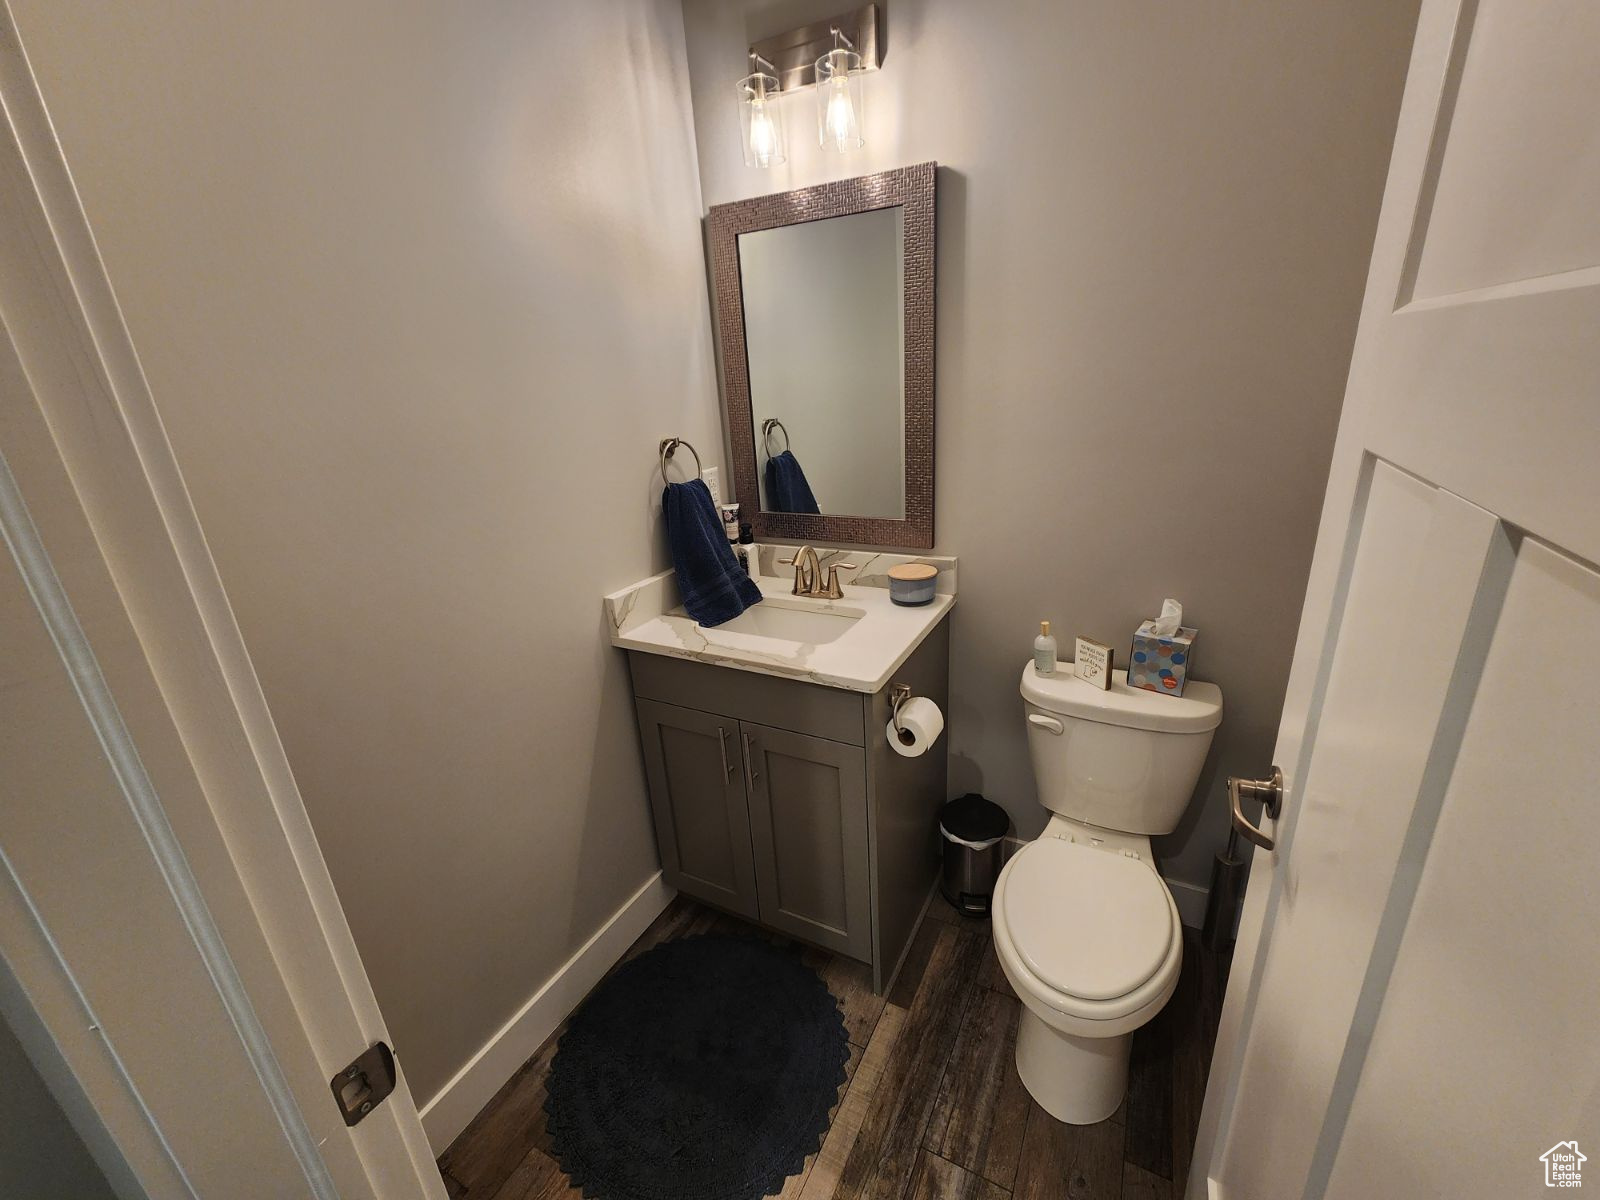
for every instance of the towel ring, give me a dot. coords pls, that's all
(766, 434)
(669, 447)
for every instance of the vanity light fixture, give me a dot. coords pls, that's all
(760, 116)
(838, 75)
(848, 44)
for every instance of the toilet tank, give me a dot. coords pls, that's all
(1124, 759)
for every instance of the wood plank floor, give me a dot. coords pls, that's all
(932, 1108)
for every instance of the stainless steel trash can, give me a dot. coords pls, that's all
(972, 829)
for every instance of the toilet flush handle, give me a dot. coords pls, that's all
(1044, 722)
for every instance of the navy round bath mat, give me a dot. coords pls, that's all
(702, 1070)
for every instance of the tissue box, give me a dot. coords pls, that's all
(1161, 664)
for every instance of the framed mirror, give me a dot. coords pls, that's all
(825, 300)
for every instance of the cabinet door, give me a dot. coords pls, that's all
(697, 796)
(808, 823)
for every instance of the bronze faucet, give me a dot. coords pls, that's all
(808, 576)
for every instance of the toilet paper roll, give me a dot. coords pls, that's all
(921, 723)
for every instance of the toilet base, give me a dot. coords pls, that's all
(1077, 1080)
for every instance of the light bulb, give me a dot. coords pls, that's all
(838, 75)
(762, 119)
(763, 139)
(841, 118)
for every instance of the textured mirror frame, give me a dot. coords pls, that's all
(913, 188)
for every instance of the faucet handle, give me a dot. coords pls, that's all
(833, 591)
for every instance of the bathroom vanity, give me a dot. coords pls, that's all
(775, 792)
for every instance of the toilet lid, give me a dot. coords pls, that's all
(1088, 922)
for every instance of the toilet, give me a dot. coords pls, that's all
(1084, 927)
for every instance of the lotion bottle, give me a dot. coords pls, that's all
(1044, 651)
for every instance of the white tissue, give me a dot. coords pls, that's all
(1170, 620)
(921, 723)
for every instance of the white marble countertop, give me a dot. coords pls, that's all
(647, 616)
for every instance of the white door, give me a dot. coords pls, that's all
(1414, 1008)
(164, 911)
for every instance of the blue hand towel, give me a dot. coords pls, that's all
(787, 489)
(715, 588)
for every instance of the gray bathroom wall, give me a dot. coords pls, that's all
(1154, 227)
(41, 1155)
(418, 288)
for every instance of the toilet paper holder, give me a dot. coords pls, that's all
(915, 722)
(898, 695)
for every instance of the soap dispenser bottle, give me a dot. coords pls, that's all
(1044, 651)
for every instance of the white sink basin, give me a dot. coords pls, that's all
(790, 622)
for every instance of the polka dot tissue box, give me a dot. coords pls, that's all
(1160, 660)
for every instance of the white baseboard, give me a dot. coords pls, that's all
(474, 1085)
(1189, 897)
(1191, 901)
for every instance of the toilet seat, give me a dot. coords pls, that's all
(1062, 1010)
(1087, 922)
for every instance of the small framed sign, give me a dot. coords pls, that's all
(1091, 662)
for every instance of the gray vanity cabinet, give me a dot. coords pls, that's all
(780, 800)
(692, 760)
(808, 826)
(766, 823)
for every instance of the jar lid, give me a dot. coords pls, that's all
(913, 572)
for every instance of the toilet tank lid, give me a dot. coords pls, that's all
(1199, 708)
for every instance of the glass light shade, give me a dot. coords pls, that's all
(839, 110)
(761, 121)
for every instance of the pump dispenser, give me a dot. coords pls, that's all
(1044, 651)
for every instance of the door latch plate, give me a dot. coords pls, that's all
(364, 1084)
